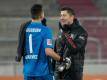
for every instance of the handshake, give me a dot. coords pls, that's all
(64, 65)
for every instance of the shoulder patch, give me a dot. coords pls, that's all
(49, 41)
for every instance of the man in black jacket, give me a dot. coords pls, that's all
(70, 43)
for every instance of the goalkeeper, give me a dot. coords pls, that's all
(35, 46)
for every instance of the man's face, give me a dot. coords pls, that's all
(66, 18)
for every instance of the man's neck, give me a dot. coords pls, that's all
(36, 20)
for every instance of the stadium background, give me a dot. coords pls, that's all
(92, 15)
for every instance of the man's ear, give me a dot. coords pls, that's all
(44, 21)
(73, 17)
(42, 15)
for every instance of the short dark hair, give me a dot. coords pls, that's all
(36, 11)
(68, 9)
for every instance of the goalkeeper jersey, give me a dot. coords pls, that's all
(35, 61)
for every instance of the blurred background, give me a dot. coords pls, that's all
(92, 15)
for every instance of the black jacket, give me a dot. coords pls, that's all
(75, 42)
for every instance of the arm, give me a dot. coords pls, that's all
(50, 52)
(20, 44)
(20, 48)
(48, 45)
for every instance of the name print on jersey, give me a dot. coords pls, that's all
(33, 30)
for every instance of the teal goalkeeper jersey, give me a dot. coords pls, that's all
(35, 61)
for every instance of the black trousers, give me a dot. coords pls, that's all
(69, 76)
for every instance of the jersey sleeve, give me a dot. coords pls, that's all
(48, 39)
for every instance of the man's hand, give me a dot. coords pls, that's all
(18, 59)
(67, 63)
(64, 64)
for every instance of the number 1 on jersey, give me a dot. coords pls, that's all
(30, 43)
